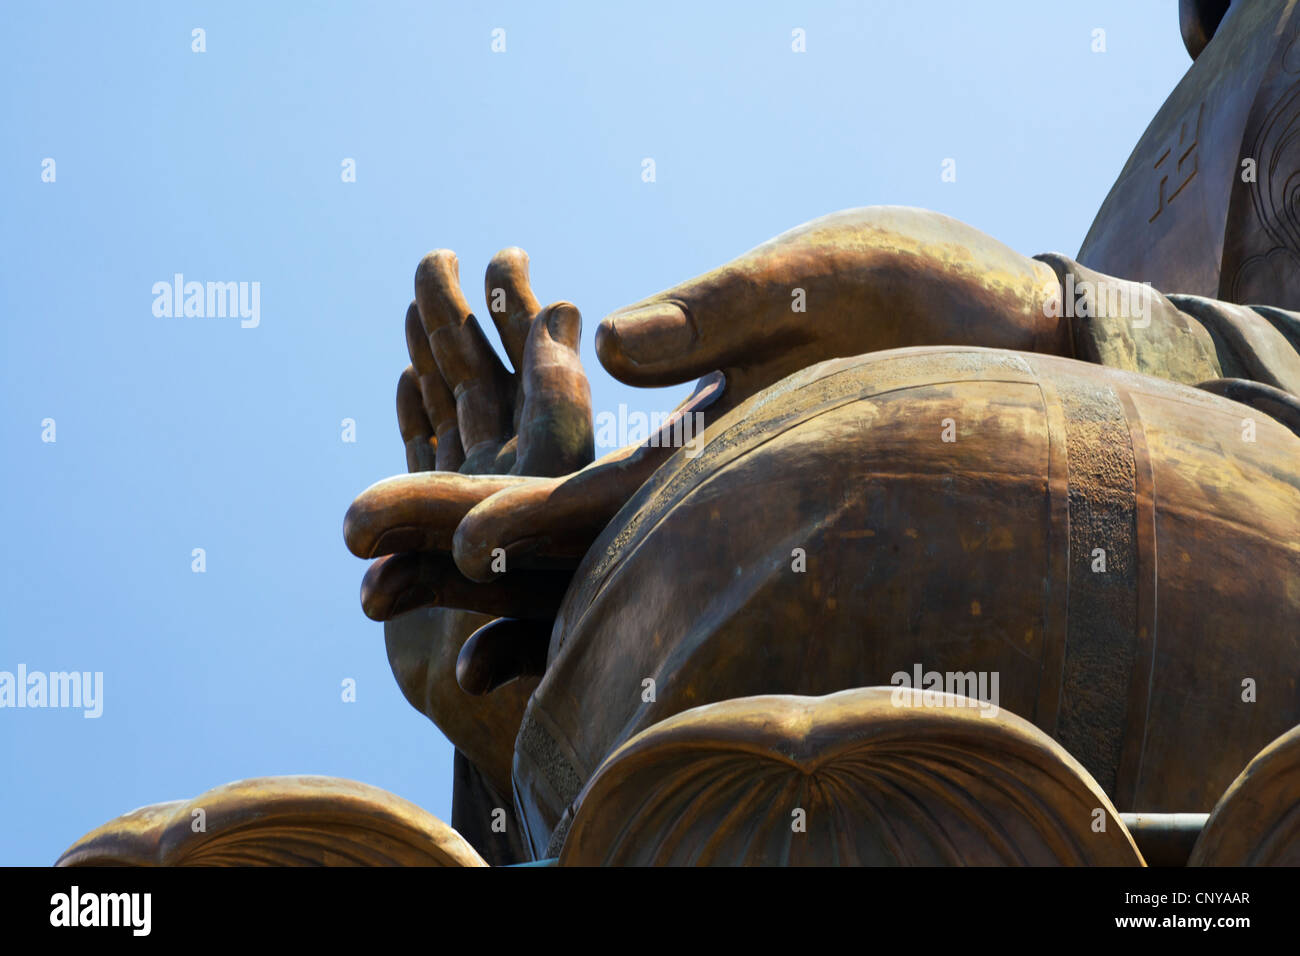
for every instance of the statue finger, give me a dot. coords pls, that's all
(769, 305)
(511, 302)
(552, 522)
(413, 423)
(403, 582)
(713, 321)
(500, 651)
(439, 404)
(416, 512)
(482, 387)
(555, 426)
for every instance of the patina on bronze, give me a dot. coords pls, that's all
(1070, 486)
(1102, 452)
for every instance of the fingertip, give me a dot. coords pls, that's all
(472, 548)
(510, 299)
(437, 290)
(471, 674)
(375, 603)
(648, 345)
(398, 583)
(564, 323)
(608, 348)
(500, 651)
(510, 264)
(438, 264)
(376, 523)
(612, 355)
(356, 532)
(485, 539)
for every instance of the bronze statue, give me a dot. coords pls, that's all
(953, 458)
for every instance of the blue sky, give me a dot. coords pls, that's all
(182, 433)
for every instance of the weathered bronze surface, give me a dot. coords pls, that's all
(1257, 822)
(846, 573)
(277, 821)
(874, 776)
(1159, 440)
(1181, 215)
(1070, 489)
(460, 409)
(1083, 458)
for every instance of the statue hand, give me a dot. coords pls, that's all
(471, 428)
(535, 420)
(458, 398)
(845, 284)
(852, 282)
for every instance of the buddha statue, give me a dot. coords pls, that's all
(1068, 488)
(1133, 410)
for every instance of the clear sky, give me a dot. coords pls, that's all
(181, 433)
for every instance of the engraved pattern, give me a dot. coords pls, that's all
(1179, 163)
(537, 743)
(1268, 264)
(1101, 629)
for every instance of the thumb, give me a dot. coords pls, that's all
(856, 281)
(738, 314)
